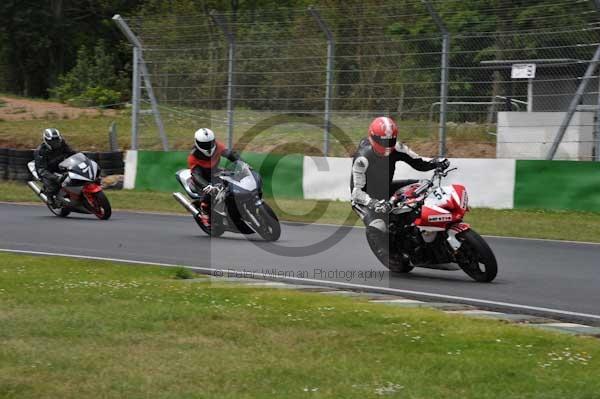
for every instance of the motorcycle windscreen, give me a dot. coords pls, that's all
(242, 178)
(80, 167)
(73, 161)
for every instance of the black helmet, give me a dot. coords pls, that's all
(52, 138)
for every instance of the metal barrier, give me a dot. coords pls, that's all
(348, 64)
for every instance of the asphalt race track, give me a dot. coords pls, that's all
(544, 274)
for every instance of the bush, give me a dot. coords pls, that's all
(96, 96)
(93, 81)
(183, 274)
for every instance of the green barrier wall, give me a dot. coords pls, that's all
(569, 185)
(558, 185)
(282, 174)
(156, 169)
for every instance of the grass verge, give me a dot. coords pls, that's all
(77, 328)
(512, 223)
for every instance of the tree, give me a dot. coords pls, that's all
(39, 40)
(94, 81)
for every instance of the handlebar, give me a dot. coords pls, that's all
(426, 185)
(443, 173)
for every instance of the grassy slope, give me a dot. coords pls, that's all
(304, 135)
(85, 329)
(517, 223)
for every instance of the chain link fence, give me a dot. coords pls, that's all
(270, 70)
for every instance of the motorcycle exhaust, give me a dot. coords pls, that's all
(186, 204)
(37, 191)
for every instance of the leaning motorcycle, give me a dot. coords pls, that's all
(80, 188)
(237, 207)
(427, 230)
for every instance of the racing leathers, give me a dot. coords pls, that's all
(372, 185)
(46, 165)
(203, 169)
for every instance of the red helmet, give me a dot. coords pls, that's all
(383, 133)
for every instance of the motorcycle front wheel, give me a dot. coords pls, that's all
(98, 204)
(268, 226)
(475, 257)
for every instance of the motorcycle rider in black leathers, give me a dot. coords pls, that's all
(48, 155)
(372, 182)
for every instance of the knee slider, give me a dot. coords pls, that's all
(378, 224)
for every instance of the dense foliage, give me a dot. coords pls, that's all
(94, 80)
(43, 49)
(39, 40)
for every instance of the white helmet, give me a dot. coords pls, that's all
(52, 138)
(205, 141)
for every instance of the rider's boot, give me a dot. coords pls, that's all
(53, 201)
(204, 214)
(379, 242)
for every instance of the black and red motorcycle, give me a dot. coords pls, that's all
(80, 188)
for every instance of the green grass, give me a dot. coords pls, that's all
(86, 133)
(515, 222)
(89, 329)
(275, 133)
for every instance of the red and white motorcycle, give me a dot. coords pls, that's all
(427, 230)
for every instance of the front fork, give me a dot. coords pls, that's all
(453, 230)
(88, 192)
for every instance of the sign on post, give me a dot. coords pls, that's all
(525, 71)
(522, 71)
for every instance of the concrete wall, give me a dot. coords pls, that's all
(490, 182)
(529, 135)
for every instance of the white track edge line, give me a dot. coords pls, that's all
(142, 212)
(214, 271)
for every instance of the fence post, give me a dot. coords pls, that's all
(112, 137)
(219, 21)
(135, 97)
(328, 78)
(445, 63)
(154, 105)
(597, 126)
(139, 68)
(573, 105)
(597, 113)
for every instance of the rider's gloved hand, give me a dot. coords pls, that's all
(397, 198)
(442, 163)
(381, 206)
(212, 188)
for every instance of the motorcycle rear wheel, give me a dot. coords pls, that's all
(474, 254)
(62, 212)
(215, 229)
(396, 263)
